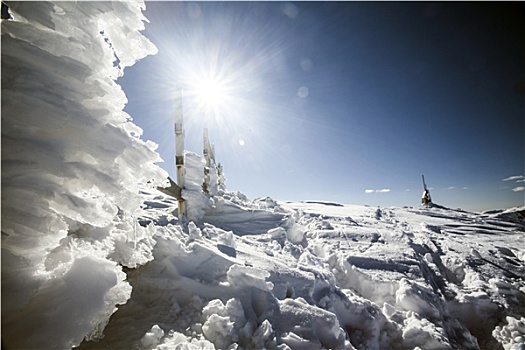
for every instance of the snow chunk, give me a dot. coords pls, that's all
(245, 276)
(152, 337)
(277, 232)
(193, 231)
(176, 340)
(226, 238)
(264, 336)
(412, 297)
(423, 334)
(312, 323)
(73, 306)
(511, 335)
(217, 330)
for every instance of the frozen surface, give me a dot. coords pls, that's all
(94, 257)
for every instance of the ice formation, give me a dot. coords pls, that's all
(93, 256)
(71, 164)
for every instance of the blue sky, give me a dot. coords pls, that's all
(343, 101)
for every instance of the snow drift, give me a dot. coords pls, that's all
(93, 256)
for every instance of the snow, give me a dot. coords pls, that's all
(94, 256)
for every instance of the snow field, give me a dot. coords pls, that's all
(353, 281)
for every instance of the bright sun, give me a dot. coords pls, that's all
(210, 93)
(214, 94)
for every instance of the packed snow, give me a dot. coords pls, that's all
(94, 256)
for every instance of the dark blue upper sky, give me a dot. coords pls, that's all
(344, 101)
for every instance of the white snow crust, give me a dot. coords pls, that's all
(94, 257)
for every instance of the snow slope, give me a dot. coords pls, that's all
(94, 257)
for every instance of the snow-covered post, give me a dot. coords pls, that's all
(220, 178)
(206, 153)
(179, 149)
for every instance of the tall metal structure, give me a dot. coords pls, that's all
(179, 149)
(425, 198)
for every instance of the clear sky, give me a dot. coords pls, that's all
(343, 101)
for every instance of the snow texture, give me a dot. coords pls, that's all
(94, 257)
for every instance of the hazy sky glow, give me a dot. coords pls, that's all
(343, 101)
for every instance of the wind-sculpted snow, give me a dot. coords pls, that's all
(71, 164)
(359, 277)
